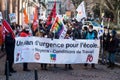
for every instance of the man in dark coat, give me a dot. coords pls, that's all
(9, 48)
(112, 49)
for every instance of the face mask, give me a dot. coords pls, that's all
(110, 34)
(46, 36)
(27, 29)
(90, 30)
(18, 28)
(42, 22)
(72, 28)
(106, 32)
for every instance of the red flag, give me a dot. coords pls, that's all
(35, 24)
(36, 14)
(8, 28)
(2, 35)
(52, 15)
(54, 10)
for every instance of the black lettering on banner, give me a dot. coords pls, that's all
(21, 43)
(89, 58)
(88, 45)
(49, 45)
(71, 45)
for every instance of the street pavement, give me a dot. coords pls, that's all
(78, 73)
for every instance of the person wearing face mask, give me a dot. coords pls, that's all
(112, 49)
(25, 33)
(76, 32)
(42, 34)
(104, 45)
(90, 35)
(68, 66)
(84, 32)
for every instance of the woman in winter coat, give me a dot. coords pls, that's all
(112, 49)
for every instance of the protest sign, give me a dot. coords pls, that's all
(56, 51)
(12, 17)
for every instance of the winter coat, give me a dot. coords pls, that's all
(112, 45)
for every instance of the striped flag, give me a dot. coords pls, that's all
(58, 27)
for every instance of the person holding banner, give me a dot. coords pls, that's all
(41, 33)
(90, 35)
(13, 26)
(9, 48)
(68, 66)
(112, 45)
(84, 32)
(104, 45)
(25, 33)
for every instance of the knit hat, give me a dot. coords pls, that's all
(113, 32)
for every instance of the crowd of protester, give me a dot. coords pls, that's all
(74, 31)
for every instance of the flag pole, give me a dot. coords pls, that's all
(29, 24)
(6, 10)
(108, 26)
(102, 49)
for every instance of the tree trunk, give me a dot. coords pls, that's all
(115, 17)
(101, 8)
(118, 18)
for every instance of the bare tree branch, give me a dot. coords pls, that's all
(109, 5)
(76, 3)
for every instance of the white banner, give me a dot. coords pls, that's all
(12, 17)
(56, 51)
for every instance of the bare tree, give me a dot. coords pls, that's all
(76, 3)
(114, 7)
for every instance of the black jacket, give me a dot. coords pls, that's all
(9, 44)
(112, 45)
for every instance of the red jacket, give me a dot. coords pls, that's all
(24, 34)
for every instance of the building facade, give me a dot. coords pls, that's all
(17, 6)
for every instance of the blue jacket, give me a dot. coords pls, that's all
(90, 35)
